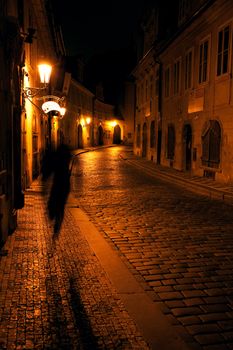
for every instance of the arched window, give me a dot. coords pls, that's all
(152, 134)
(211, 140)
(170, 142)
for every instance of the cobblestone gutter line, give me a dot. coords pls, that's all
(55, 294)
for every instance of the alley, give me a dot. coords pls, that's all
(176, 243)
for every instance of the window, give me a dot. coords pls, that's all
(167, 82)
(203, 61)
(176, 77)
(171, 142)
(223, 51)
(211, 140)
(188, 69)
(152, 134)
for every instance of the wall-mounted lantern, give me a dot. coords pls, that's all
(45, 71)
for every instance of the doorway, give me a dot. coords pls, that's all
(80, 136)
(117, 135)
(144, 140)
(100, 136)
(187, 140)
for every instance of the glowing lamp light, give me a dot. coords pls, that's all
(62, 111)
(88, 120)
(114, 123)
(51, 106)
(45, 73)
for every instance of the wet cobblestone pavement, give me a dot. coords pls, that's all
(179, 245)
(54, 294)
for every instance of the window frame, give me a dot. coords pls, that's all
(221, 29)
(177, 76)
(188, 69)
(201, 64)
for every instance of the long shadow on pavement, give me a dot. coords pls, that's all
(82, 322)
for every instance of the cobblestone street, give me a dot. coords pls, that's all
(58, 294)
(177, 244)
(55, 294)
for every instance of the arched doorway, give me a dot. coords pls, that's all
(80, 136)
(100, 136)
(117, 135)
(187, 149)
(144, 140)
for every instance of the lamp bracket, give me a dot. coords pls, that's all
(53, 97)
(31, 92)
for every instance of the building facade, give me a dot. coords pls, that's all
(77, 126)
(196, 109)
(108, 127)
(88, 121)
(147, 93)
(128, 112)
(29, 36)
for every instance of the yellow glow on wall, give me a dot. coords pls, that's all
(113, 124)
(88, 120)
(28, 139)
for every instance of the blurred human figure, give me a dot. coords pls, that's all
(47, 164)
(60, 186)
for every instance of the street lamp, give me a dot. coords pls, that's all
(50, 102)
(52, 105)
(45, 71)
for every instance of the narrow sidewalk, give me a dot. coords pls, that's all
(197, 184)
(55, 294)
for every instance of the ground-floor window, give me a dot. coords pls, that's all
(211, 140)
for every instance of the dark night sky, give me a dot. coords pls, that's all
(100, 31)
(91, 27)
